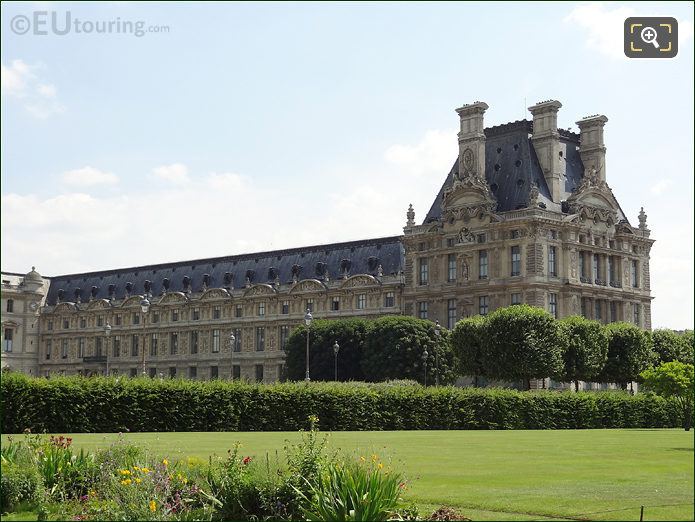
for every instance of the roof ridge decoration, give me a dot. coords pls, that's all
(467, 197)
(593, 199)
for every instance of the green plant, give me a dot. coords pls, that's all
(629, 353)
(467, 340)
(673, 379)
(19, 484)
(671, 346)
(587, 349)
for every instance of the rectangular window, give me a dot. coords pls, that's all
(172, 372)
(596, 268)
(284, 335)
(481, 238)
(99, 346)
(49, 326)
(597, 309)
(422, 309)
(309, 305)
(64, 349)
(133, 372)
(552, 305)
(451, 263)
(238, 311)
(516, 260)
(260, 338)
(611, 269)
(361, 301)
(614, 311)
(80, 347)
(174, 315)
(281, 372)
(155, 317)
(585, 307)
(136, 318)
(636, 314)
(285, 307)
(153, 345)
(515, 234)
(100, 320)
(335, 304)
(516, 299)
(259, 373)
(483, 305)
(173, 343)
(7, 340)
(216, 312)
(194, 342)
(390, 300)
(582, 265)
(134, 345)
(451, 313)
(552, 262)
(66, 324)
(116, 349)
(196, 314)
(153, 372)
(236, 371)
(216, 341)
(83, 322)
(214, 372)
(10, 306)
(552, 234)
(424, 271)
(261, 309)
(49, 345)
(450, 241)
(118, 320)
(633, 274)
(237, 339)
(192, 372)
(482, 264)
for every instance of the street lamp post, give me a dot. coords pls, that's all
(437, 333)
(336, 349)
(307, 320)
(107, 333)
(424, 362)
(145, 307)
(232, 339)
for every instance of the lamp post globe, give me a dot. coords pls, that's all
(232, 340)
(145, 307)
(107, 333)
(437, 333)
(307, 320)
(336, 349)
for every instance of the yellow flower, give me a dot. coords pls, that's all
(362, 459)
(380, 466)
(137, 480)
(125, 472)
(153, 506)
(165, 462)
(178, 476)
(126, 482)
(92, 493)
(146, 470)
(135, 468)
(185, 481)
(374, 458)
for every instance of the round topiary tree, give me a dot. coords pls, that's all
(629, 353)
(395, 346)
(587, 349)
(523, 343)
(467, 342)
(348, 333)
(673, 379)
(671, 346)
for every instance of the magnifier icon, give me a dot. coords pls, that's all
(648, 36)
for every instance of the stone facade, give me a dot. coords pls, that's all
(524, 216)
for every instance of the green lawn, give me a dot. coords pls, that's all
(510, 475)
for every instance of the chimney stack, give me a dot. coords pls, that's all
(592, 150)
(472, 140)
(546, 142)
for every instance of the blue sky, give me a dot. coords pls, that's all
(249, 127)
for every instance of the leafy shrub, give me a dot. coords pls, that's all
(467, 340)
(673, 379)
(629, 353)
(671, 346)
(587, 349)
(19, 485)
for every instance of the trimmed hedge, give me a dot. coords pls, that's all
(75, 405)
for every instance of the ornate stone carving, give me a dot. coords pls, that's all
(468, 162)
(642, 219)
(533, 196)
(574, 268)
(465, 236)
(410, 216)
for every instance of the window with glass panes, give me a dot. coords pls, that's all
(482, 264)
(10, 306)
(134, 345)
(516, 260)
(116, 349)
(633, 274)
(196, 314)
(175, 315)
(552, 266)
(136, 318)
(214, 372)
(80, 347)
(552, 305)
(613, 311)
(173, 343)
(261, 309)
(192, 372)
(64, 349)
(238, 311)
(516, 299)
(49, 345)
(99, 346)
(259, 373)
(361, 301)
(236, 371)
(260, 338)
(194, 342)
(483, 305)
(285, 307)
(424, 271)
(215, 345)
(451, 313)
(216, 312)
(451, 264)
(635, 313)
(309, 305)
(422, 309)
(596, 267)
(284, 331)
(597, 309)
(237, 339)
(7, 340)
(153, 345)
(335, 304)
(390, 300)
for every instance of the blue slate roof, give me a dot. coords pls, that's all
(358, 257)
(511, 167)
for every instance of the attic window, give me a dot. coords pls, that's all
(520, 182)
(497, 167)
(516, 146)
(494, 187)
(561, 154)
(499, 150)
(518, 163)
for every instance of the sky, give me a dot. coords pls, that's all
(224, 129)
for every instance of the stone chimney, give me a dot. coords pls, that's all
(546, 142)
(472, 140)
(591, 147)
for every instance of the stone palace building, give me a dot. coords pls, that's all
(524, 216)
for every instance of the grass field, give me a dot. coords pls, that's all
(510, 475)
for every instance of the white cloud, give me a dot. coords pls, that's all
(176, 173)
(88, 176)
(604, 26)
(434, 153)
(21, 82)
(660, 187)
(226, 181)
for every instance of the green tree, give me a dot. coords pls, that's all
(523, 343)
(348, 333)
(671, 346)
(394, 350)
(673, 379)
(467, 342)
(629, 353)
(587, 349)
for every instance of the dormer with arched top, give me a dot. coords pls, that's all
(260, 290)
(308, 286)
(360, 281)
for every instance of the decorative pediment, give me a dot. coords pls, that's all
(466, 198)
(168, 298)
(98, 304)
(10, 324)
(214, 294)
(65, 307)
(594, 200)
(260, 289)
(624, 228)
(359, 281)
(308, 285)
